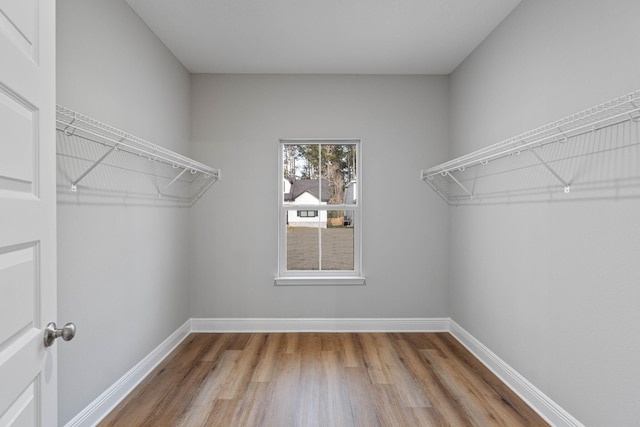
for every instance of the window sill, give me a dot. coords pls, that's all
(319, 281)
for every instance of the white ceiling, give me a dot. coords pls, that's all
(322, 36)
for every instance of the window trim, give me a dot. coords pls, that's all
(314, 277)
(319, 281)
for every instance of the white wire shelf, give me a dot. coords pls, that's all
(591, 154)
(98, 160)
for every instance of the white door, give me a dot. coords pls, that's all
(28, 379)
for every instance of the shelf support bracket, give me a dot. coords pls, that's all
(74, 184)
(66, 128)
(567, 186)
(562, 134)
(459, 184)
(171, 183)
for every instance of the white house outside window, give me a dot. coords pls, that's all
(319, 212)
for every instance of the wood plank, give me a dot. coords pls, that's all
(409, 392)
(174, 404)
(331, 342)
(446, 408)
(336, 408)
(267, 360)
(312, 389)
(282, 403)
(242, 370)
(352, 356)
(292, 343)
(359, 391)
(219, 343)
(209, 391)
(389, 408)
(222, 413)
(251, 408)
(377, 367)
(310, 342)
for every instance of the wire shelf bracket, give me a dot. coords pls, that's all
(567, 186)
(74, 184)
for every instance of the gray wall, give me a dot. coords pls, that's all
(122, 271)
(552, 288)
(237, 121)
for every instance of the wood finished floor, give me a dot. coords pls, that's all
(321, 379)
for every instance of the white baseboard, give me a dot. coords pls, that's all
(536, 399)
(320, 325)
(108, 400)
(103, 404)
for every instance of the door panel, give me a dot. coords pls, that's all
(22, 412)
(18, 126)
(21, 369)
(18, 22)
(17, 285)
(27, 212)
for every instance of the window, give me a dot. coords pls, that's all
(319, 212)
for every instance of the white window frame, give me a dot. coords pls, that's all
(324, 277)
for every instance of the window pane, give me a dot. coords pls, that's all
(302, 183)
(337, 243)
(301, 161)
(338, 168)
(319, 173)
(303, 242)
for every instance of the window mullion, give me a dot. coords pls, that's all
(302, 207)
(319, 245)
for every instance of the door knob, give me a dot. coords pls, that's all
(51, 333)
